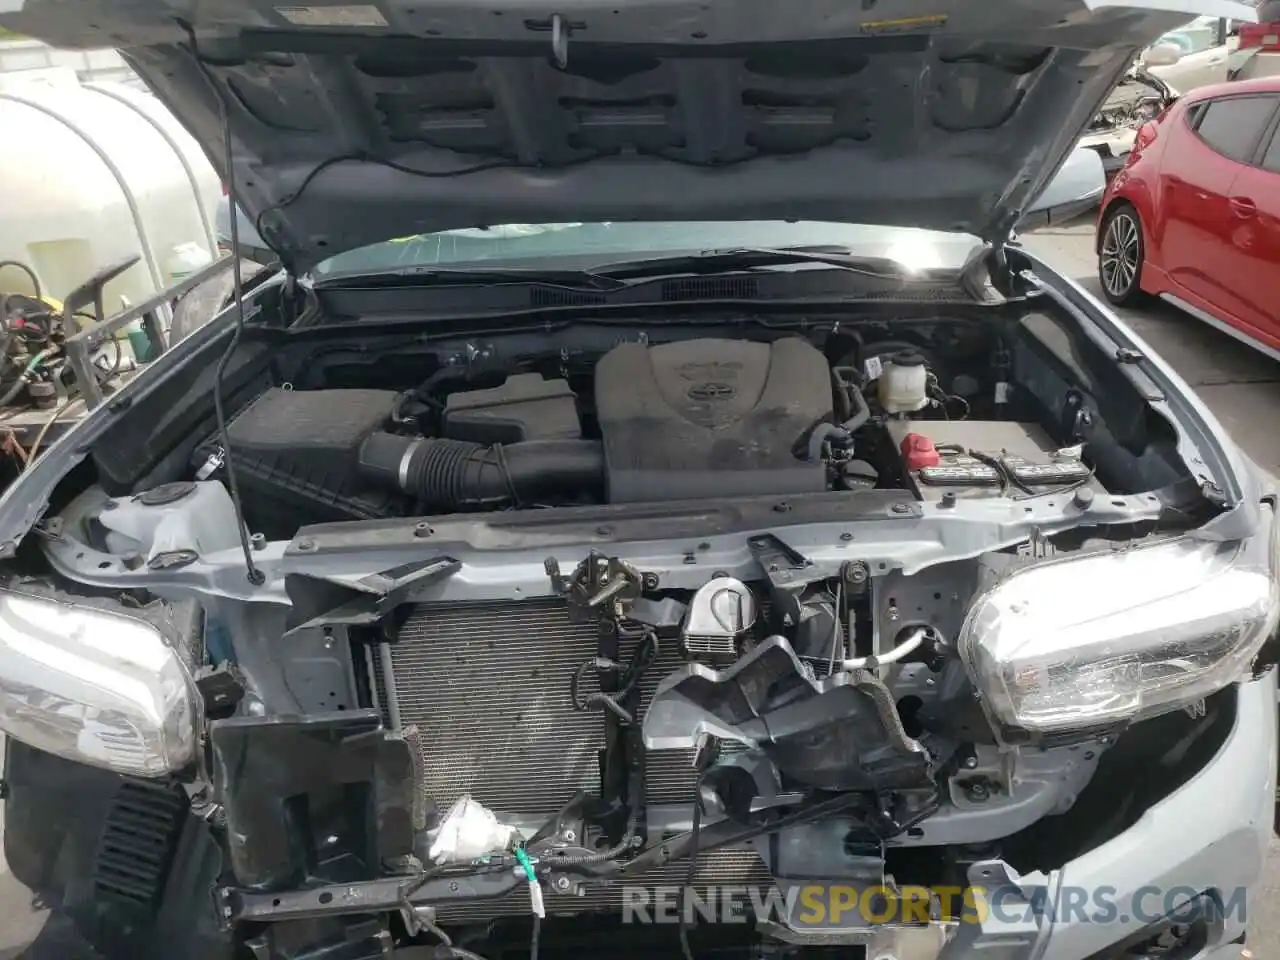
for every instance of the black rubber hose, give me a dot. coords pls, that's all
(457, 474)
(31, 275)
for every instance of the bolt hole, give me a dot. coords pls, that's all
(699, 34)
(1117, 503)
(909, 711)
(275, 902)
(326, 897)
(915, 833)
(104, 565)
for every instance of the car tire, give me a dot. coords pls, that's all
(1121, 253)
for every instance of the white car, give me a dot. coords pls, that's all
(1195, 54)
(1204, 49)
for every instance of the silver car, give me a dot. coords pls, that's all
(656, 509)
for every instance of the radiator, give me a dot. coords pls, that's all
(669, 775)
(487, 685)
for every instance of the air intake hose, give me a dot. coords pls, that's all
(457, 474)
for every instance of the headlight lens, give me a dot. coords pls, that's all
(94, 686)
(1114, 637)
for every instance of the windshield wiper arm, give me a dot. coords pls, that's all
(731, 258)
(619, 274)
(428, 276)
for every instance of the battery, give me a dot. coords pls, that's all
(978, 458)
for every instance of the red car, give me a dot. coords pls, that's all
(1194, 215)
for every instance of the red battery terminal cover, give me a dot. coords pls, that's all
(918, 452)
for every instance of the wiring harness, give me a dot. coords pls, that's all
(629, 674)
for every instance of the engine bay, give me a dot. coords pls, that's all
(644, 422)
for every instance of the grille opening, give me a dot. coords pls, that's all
(137, 843)
(710, 288)
(543, 297)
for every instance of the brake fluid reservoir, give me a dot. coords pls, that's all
(903, 386)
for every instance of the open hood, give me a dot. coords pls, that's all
(365, 120)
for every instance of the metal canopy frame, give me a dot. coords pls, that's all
(79, 346)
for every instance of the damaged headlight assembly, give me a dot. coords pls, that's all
(94, 686)
(1106, 639)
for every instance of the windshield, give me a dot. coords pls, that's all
(586, 245)
(1197, 35)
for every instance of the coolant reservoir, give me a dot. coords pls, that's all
(904, 381)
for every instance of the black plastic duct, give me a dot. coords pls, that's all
(457, 474)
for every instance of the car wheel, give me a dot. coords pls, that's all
(1120, 255)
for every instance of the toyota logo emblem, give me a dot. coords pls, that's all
(711, 391)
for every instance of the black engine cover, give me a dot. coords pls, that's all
(710, 418)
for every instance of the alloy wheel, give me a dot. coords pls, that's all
(1121, 254)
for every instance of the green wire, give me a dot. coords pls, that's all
(35, 361)
(523, 859)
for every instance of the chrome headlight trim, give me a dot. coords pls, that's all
(94, 686)
(1112, 637)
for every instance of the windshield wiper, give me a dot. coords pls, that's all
(740, 258)
(619, 274)
(429, 276)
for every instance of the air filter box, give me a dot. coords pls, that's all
(295, 454)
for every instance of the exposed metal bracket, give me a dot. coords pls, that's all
(789, 572)
(600, 585)
(366, 601)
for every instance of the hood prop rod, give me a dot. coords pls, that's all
(252, 573)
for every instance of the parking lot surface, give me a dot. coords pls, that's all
(1240, 385)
